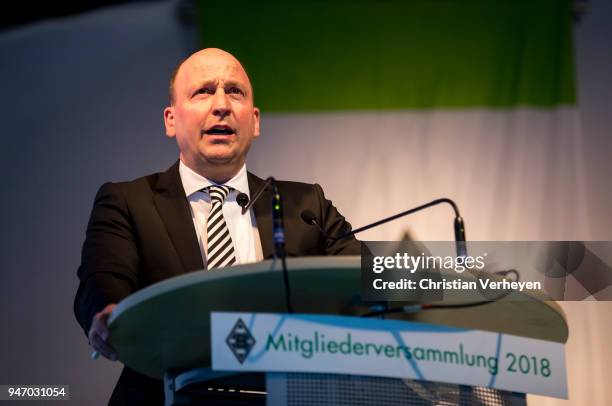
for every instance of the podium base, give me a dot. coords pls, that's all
(305, 389)
(203, 386)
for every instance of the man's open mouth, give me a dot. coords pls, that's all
(220, 130)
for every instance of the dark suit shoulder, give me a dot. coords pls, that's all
(300, 196)
(143, 183)
(285, 185)
(296, 187)
(145, 186)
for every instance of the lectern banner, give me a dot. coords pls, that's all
(387, 348)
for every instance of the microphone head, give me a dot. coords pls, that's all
(242, 199)
(309, 217)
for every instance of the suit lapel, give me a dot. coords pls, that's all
(263, 215)
(174, 210)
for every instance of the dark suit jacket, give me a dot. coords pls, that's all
(141, 232)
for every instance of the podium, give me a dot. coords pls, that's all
(164, 331)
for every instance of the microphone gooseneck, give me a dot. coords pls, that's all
(278, 229)
(278, 226)
(459, 226)
(257, 194)
(278, 235)
(460, 242)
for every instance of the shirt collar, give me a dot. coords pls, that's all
(194, 182)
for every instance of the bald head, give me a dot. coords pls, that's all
(211, 114)
(207, 56)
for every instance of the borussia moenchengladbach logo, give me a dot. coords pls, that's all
(240, 341)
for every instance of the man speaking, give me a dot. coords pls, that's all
(188, 218)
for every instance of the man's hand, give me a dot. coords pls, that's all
(99, 333)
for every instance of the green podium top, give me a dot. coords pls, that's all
(167, 325)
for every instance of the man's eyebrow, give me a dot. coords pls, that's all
(206, 83)
(228, 83)
(236, 83)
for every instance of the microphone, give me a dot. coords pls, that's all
(242, 199)
(278, 226)
(310, 219)
(257, 195)
(460, 240)
(459, 226)
(278, 234)
(278, 229)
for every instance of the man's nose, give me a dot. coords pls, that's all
(221, 106)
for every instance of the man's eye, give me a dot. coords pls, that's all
(205, 90)
(235, 90)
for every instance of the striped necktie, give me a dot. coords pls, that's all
(219, 240)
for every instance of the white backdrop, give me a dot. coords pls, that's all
(515, 174)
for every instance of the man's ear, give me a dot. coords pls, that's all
(256, 114)
(169, 122)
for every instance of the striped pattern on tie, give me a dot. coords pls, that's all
(219, 240)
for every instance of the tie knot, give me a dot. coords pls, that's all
(218, 193)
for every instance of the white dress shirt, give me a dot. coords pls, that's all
(242, 228)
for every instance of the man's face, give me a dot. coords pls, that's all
(213, 117)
